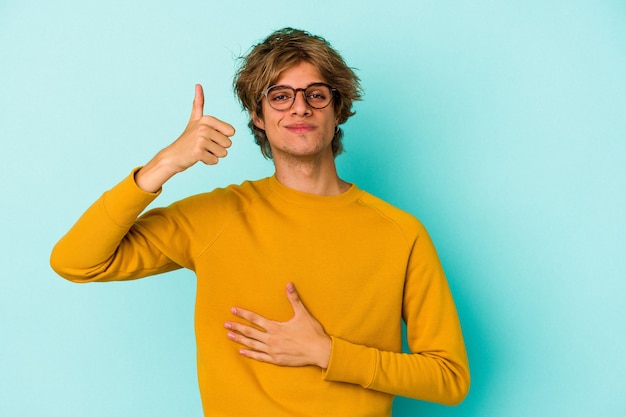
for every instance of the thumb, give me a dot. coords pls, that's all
(197, 110)
(294, 298)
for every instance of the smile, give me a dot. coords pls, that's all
(300, 128)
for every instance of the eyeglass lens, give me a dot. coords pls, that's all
(282, 97)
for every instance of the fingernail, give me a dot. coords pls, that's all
(228, 326)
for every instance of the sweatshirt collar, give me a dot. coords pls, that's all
(305, 199)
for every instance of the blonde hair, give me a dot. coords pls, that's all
(281, 50)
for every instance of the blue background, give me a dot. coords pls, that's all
(501, 125)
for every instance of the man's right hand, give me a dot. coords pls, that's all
(204, 139)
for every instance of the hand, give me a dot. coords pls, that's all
(205, 139)
(300, 341)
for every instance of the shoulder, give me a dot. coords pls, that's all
(412, 229)
(232, 198)
(408, 223)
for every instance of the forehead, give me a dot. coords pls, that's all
(300, 75)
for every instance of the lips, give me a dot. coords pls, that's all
(300, 127)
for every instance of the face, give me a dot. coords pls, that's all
(300, 131)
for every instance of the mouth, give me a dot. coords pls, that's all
(300, 128)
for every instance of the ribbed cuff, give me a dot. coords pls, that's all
(124, 202)
(351, 363)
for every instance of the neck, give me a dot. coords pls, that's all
(317, 176)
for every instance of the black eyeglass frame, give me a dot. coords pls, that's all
(333, 92)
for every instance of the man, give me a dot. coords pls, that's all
(351, 266)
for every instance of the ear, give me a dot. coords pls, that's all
(258, 121)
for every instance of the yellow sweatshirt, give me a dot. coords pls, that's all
(360, 265)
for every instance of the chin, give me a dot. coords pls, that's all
(302, 152)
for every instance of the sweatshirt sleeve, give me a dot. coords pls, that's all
(436, 369)
(105, 245)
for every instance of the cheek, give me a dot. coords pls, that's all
(333, 121)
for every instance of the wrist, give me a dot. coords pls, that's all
(154, 174)
(324, 352)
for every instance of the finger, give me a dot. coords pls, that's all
(256, 355)
(216, 150)
(219, 125)
(197, 110)
(294, 298)
(248, 342)
(239, 330)
(208, 158)
(253, 318)
(216, 138)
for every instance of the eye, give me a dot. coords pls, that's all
(318, 94)
(280, 95)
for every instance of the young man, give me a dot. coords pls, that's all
(303, 279)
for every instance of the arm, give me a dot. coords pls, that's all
(104, 244)
(101, 247)
(436, 369)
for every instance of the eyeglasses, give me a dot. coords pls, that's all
(316, 95)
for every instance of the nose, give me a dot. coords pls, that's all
(300, 105)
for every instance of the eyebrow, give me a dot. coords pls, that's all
(303, 88)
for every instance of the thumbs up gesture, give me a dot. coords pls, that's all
(205, 139)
